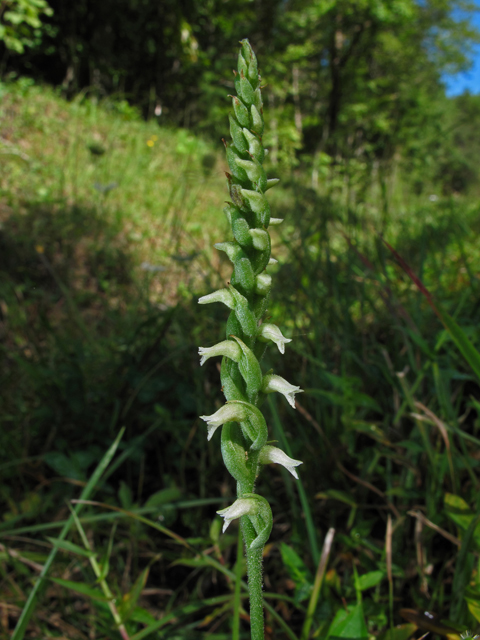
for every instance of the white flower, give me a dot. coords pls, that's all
(273, 383)
(226, 348)
(272, 454)
(230, 412)
(274, 221)
(271, 332)
(241, 507)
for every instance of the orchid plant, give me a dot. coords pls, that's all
(244, 432)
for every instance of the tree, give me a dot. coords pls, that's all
(20, 23)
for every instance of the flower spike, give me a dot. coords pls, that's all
(244, 430)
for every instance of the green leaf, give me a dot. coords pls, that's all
(298, 572)
(336, 494)
(81, 587)
(130, 599)
(402, 632)
(370, 579)
(29, 607)
(460, 513)
(164, 496)
(66, 545)
(349, 625)
(474, 608)
(466, 348)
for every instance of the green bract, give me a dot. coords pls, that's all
(244, 429)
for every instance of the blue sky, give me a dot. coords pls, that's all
(470, 79)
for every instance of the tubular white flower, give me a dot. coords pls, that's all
(241, 507)
(271, 454)
(222, 295)
(273, 383)
(230, 412)
(274, 221)
(272, 261)
(271, 332)
(226, 348)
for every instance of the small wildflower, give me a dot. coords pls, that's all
(226, 348)
(241, 507)
(273, 383)
(271, 454)
(271, 332)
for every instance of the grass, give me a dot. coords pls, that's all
(98, 327)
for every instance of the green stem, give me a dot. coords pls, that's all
(238, 588)
(254, 572)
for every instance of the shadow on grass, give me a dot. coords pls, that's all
(83, 351)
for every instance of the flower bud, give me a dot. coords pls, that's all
(259, 205)
(255, 147)
(247, 93)
(241, 232)
(257, 120)
(260, 238)
(271, 182)
(263, 284)
(238, 137)
(241, 112)
(254, 171)
(242, 65)
(234, 163)
(274, 221)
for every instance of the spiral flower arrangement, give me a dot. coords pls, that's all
(244, 433)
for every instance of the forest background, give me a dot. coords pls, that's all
(111, 197)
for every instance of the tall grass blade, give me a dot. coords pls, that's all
(322, 566)
(29, 607)
(466, 348)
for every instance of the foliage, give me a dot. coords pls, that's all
(106, 226)
(20, 25)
